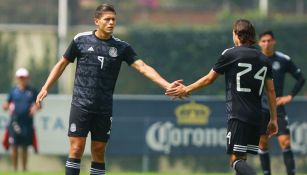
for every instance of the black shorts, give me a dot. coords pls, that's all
(82, 122)
(282, 122)
(242, 138)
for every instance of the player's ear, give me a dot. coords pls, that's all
(96, 21)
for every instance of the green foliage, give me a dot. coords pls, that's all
(39, 71)
(189, 54)
(227, 16)
(7, 59)
(176, 54)
(29, 11)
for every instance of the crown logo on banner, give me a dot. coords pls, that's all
(192, 114)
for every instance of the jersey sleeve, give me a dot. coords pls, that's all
(298, 75)
(293, 69)
(71, 52)
(222, 64)
(129, 55)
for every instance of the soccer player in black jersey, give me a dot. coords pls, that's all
(246, 72)
(281, 65)
(99, 56)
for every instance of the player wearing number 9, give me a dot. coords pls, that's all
(247, 71)
(99, 55)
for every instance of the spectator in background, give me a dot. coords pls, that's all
(22, 107)
(281, 65)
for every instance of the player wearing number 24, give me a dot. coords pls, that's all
(247, 71)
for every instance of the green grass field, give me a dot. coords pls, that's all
(130, 173)
(62, 173)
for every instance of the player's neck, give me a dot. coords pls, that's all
(102, 35)
(242, 44)
(268, 53)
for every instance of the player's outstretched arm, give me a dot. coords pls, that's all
(55, 73)
(153, 75)
(183, 91)
(272, 128)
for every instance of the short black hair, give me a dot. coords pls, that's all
(267, 32)
(104, 8)
(245, 31)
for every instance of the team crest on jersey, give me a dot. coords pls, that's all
(113, 52)
(276, 65)
(73, 127)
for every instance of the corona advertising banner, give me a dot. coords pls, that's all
(155, 125)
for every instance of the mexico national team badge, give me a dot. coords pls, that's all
(73, 127)
(276, 65)
(113, 52)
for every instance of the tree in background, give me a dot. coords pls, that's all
(7, 60)
(40, 71)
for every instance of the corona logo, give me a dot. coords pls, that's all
(192, 114)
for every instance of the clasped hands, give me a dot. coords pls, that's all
(177, 90)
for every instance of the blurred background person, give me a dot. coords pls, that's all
(22, 107)
(281, 65)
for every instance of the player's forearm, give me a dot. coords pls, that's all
(202, 82)
(154, 76)
(272, 105)
(271, 99)
(55, 73)
(298, 85)
(150, 73)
